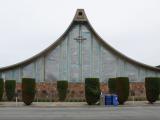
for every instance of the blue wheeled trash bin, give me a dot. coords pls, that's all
(108, 99)
(115, 100)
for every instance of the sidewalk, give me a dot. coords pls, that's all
(74, 104)
(44, 104)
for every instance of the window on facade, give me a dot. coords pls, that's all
(80, 13)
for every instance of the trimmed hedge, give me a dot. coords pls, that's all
(10, 86)
(1, 88)
(112, 85)
(62, 87)
(92, 90)
(152, 86)
(28, 90)
(122, 89)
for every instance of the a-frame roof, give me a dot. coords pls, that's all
(80, 17)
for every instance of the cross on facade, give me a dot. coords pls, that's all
(80, 38)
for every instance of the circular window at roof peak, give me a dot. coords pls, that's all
(80, 13)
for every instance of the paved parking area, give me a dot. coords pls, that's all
(80, 113)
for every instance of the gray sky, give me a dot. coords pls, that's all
(29, 26)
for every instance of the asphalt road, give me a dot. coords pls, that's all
(80, 113)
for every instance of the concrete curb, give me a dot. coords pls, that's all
(76, 104)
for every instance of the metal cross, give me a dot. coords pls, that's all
(80, 38)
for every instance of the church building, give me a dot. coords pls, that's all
(77, 54)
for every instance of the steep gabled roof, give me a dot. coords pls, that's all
(80, 16)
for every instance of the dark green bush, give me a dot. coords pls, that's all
(1, 88)
(10, 86)
(28, 90)
(112, 85)
(152, 86)
(62, 87)
(122, 89)
(92, 90)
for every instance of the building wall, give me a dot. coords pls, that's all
(76, 91)
(74, 61)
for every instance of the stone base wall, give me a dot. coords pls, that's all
(76, 91)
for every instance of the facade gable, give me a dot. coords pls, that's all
(79, 53)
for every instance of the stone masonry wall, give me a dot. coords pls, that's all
(76, 91)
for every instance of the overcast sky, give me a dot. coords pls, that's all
(29, 26)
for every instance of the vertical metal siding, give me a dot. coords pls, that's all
(74, 61)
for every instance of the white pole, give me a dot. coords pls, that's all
(37, 95)
(16, 101)
(133, 99)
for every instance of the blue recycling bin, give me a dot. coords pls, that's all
(115, 100)
(108, 99)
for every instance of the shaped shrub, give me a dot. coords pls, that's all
(10, 86)
(152, 86)
(1, 88)
(28, 90)
(122, 89)
(92, 90)
(112, 85)
(62, 87)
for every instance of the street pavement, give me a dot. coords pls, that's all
(80, 113)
